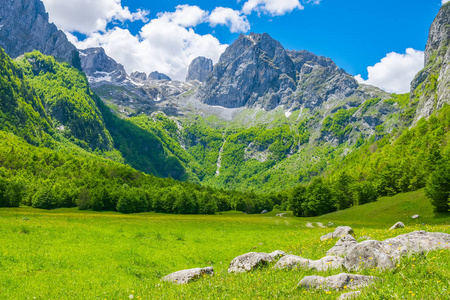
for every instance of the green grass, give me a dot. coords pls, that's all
(70, 254)
(390, 210)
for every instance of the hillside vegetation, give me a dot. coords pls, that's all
(50, 105)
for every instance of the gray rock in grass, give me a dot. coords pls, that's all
(337, 282)
(368, 254)
(277, 254)
(343, 246)
(186, 276)
(339, 232)
(248, 262)
(397, 225)
(292, 261)
(385, 254)
(323, 264)
(328, 262)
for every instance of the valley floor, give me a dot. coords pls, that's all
(71, 254)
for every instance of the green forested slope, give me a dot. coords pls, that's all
(58, 142)
(21, 109)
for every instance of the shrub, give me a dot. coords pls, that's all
(438, 188)
(45, 198)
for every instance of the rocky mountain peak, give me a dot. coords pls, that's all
(257, 71)
(99, 67)
(199, 69)
(25, 26)
(139, 76)
(158, 76)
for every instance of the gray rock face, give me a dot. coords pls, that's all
(336, 282)
(339, 232)
(186, 276)
(256, 71)
(199, 69)
(24, 27)
(139, 76)
(101, 68)
(439, 33)
(385, 254)
(249, 262)
(397, 225)
(158, 76)
(431, 86)
(343, 246)
(351, 295)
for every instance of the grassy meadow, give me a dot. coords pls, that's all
(72, 254)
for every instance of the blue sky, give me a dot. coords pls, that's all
(356, 34)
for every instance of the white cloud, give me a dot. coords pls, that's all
(167, 43)
(395, 72)
(271, 7)
(163, 45)
(229, 17)
(185, 15)
(87, 16)
(444, 1)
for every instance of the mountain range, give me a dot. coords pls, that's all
(263, 118)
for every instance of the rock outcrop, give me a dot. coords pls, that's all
(369, 255)
(256, 71)
(323, 264)
(339, 232)
(186, 276)
(336, 282)
(343, 246)
(199, 69)
(328, 262)
(25, 26)
(385, 254)
(248, 262)
(100, 68)
(158, 76)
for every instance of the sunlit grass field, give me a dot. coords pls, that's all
(71, 254)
